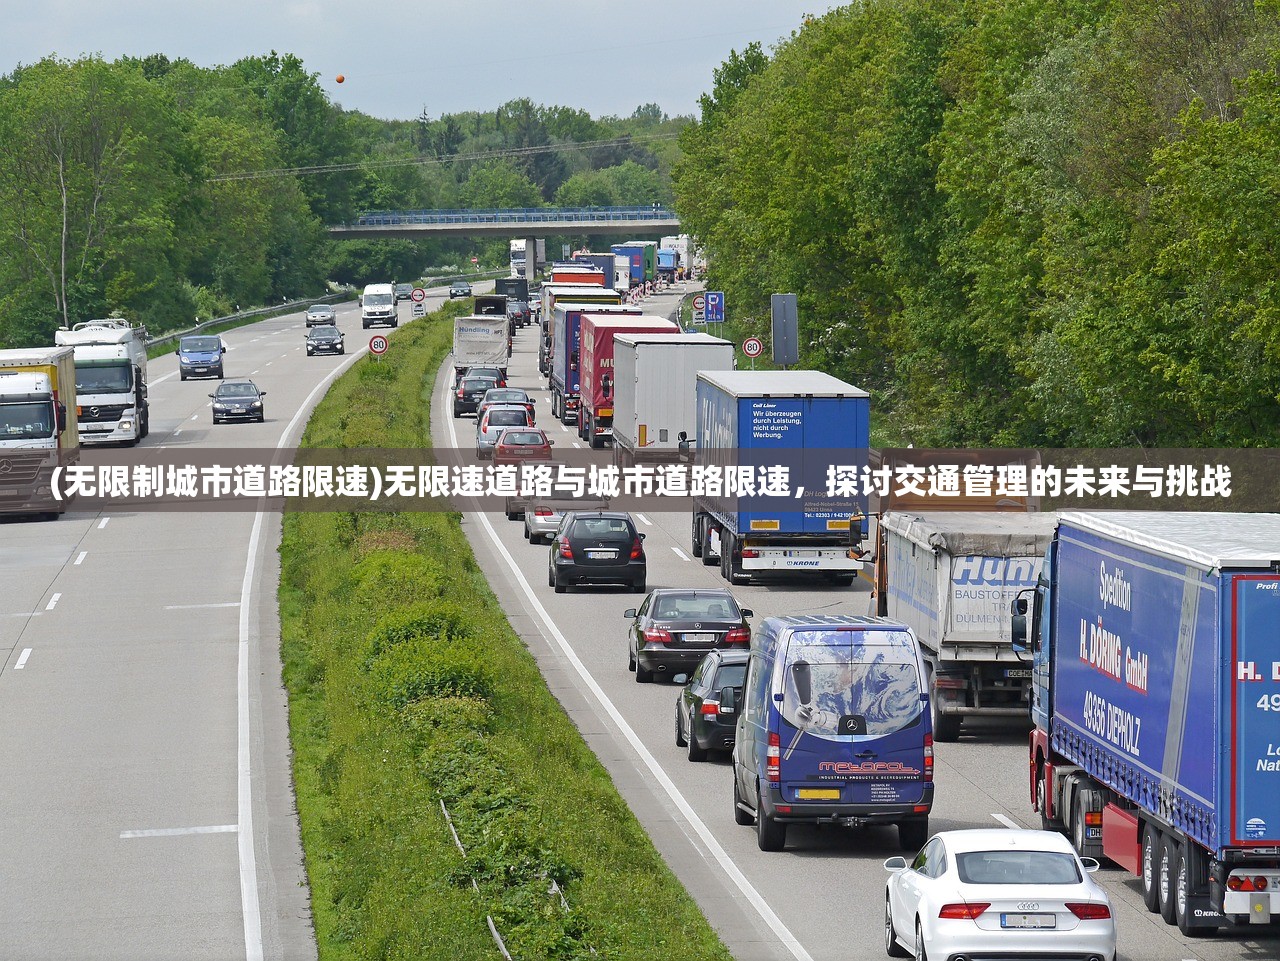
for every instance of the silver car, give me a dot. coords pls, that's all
(318, 314)
(542, 515)
(496, 419)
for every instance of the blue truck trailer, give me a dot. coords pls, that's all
(800, 420)
(633, 254)
(1154, 641)
(602, 262)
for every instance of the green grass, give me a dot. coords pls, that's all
(408, 686)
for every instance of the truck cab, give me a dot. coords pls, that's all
(111, 380)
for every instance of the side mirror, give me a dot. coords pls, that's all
(630, 613)
(748, 612)
(210, 395)
(855, 531)
(895, 864)
(1090, 864)
(224, 348)
(178, 351)
(728, 700)
(642, 535)
(550, 443)
(262, 393)
(1018, 623)
(61, 411)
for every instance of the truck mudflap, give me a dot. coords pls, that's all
(757, 558)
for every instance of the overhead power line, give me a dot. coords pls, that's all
(451, 158)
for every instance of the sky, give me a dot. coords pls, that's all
(399, 57)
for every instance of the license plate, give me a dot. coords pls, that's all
(1028, 921)
(602, 555)
(699, 638)
(818, 794)
(1017, 672)
(799, 554)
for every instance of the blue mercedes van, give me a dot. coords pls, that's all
(834, 729)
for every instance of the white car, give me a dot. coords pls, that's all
(998, 893)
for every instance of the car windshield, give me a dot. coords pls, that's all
(324, 333)
(603, 528)
(201, 344)
(504, 397)
(320, 309)
(521, 438)
(696, 605)
(507, 418)
(237, 390)
(861, 684)
(478, 383)
(26, 421)
(1017, 867)
(109, 378)
(377, 300)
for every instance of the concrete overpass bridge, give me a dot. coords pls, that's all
(526, 222)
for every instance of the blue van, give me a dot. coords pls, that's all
(200, 356)
(834, 729)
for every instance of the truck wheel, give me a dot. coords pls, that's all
(913, 834)
(595, 439)
(697, 535)
(1182, 895)
(1165, 876)
(1079, 825)
(555, 408)
(946, 727)
(708, 555)
(771, 835)
(1150, 863)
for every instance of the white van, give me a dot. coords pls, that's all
(378, 306)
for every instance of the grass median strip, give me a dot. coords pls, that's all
(408, 687)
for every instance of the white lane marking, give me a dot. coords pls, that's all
(22, 659)
(103, 523)
(80, 559)
(576, 444)
(269, 363)
(53, 602)
(198, 607)
(1005, 821)
(713, 846)
(27, 614)
(161, 380)
(643, 518)
(176, 832)
(177, 432)
(682, 555)
(197, 416)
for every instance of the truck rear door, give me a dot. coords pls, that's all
(1255, 710)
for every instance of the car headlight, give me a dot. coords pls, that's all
(256, 403)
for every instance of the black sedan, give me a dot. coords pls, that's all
(324, 340)
(707, 709)
(459, 288)
(238, 400)
(675, 627)
(471, 390)
(597, 547)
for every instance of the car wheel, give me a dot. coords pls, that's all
(739, 815)
(527, 535)
(342, 350)
(551, 578)
(638, 587)
(771, 835)
(262, 418)
(182, 376)
(913, 834)
(456, 413)
(921, 953)
(696, 753)
(631, 663)
(513, 515)
(891, 945)
(643, 674)
(680, 738)
(310, 352)
(558, 583)
(1164, 876)
(1150, 861)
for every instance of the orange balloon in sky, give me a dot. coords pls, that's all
(341, 78)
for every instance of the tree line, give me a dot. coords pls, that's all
(161, 191)
(1018, 222)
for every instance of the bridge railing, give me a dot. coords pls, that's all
(514, 215)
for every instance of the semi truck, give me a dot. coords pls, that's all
(491, 305)
(668, 262)
(565, 377)
(761, 418)
(480, 341)
(605, 263)
(38, 424)
(641, 256)
(518, 256)
(575, 273)
(514, 288)
(580, 293)
(654, 389)
(111, 380)
(595, 415)
(1154, 643)
(950, 576)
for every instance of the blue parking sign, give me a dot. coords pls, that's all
(715, 307)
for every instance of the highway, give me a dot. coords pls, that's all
(143, 734)
(823, 897)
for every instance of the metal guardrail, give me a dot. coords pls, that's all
(514, 215)
(284, 307)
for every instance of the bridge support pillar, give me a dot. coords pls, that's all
(530, 260)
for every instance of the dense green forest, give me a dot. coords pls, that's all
(1014, 221)
(161, 191)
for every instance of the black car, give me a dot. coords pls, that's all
(459, 288)
(675, 627)
(324, 340)
(238, 400)
(404, 291)
(519, 313)
(597, 547)
(471, 390)
(707, 709)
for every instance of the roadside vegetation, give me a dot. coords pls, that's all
(408, 687)
(1016, 222)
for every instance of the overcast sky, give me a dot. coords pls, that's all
(399, 56)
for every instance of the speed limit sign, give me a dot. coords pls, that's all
(377, 345)
(753, 347)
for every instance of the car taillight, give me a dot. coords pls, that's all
(772, 766)
(637, 552)
(542, 512)
(656, 635)
(462, 392)
(739, 635)
(928, 757)
(1089, 911)
(963, 911)
(710, 708)
(565, 550)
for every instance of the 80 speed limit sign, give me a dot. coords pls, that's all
(753, 347)
(378, 345)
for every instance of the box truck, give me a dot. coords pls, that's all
(480, 342)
